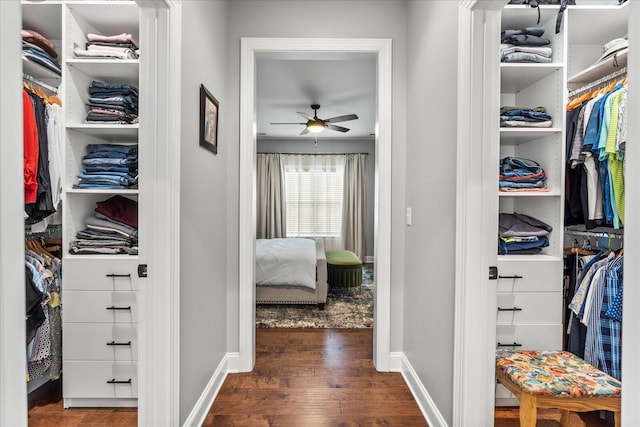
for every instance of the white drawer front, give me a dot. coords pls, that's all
(100, 274)
(529, 307)
(100, 306)
(100, 341)
(531, 337)
(529, 276)
(99, 379)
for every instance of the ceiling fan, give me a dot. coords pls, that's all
(315, 125)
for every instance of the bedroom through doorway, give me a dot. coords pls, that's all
(253, 50)
(315, 184)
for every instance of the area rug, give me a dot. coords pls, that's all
(345, 308)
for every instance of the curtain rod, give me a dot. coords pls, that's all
(319, 154)
(604, 79)
(39, 83)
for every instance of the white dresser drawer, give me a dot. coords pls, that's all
(537, 275)
(529, 337)
(100, 274)
(100, 341)
(529, 307)
(100, 306)
(90, 380)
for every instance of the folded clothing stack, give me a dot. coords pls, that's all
(112, 230)
(525, 45)
(520, 234)
(109, 166)
(39, 49)
(517, 174)
(120, 46)
(524, 117)
(112, 102)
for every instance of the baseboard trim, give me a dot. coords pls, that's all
(400, 363)
(228, 364)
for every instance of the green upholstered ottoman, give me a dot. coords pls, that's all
(344, 269)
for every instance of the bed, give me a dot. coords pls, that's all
(291, 271)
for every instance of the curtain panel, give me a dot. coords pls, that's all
(270, 201)
(354, 204)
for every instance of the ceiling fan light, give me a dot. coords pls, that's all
(315, 127)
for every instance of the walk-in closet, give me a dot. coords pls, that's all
(81, 78)
(562, 179)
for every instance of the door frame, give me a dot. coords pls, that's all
(249, 50)
(478, 28)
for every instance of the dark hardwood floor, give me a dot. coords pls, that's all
(314, 377)
(302, 378)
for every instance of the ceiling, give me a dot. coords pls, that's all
(340, 84)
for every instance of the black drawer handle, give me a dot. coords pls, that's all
(509, 309)
(114, 381)
(119, 343)
(515, 276)
(119, 275)
(515, 344)
(113, 307)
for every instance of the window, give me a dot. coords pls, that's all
(313, 195)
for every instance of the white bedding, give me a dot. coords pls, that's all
(286, 262)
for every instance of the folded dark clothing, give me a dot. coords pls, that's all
(527, 40)
(128, 45)
(42, 61)
(534, 31)
(515, 224)
(512, 247)
(120, 209)
(528, 113)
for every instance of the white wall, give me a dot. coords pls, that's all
(203, 198)
(330, 145)
(331, 18)
(431, 184)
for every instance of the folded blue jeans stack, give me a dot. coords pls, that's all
(109, 166)
(518, 174)
(512, 116)
(112, 103)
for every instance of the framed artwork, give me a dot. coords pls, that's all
(208, 120)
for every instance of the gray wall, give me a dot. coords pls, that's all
(326, 145)
(203, 210)
(331, 18)
(431, 188)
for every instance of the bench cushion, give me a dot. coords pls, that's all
(556, 373)
(342, 257)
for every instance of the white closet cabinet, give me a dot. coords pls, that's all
(529, 287)
(100, 306)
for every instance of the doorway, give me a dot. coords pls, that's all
(313, 49)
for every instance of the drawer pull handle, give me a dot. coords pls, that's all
(119, 275)
(119, 343)
(509, 309)
(114, 381)
(113, 307)
(515, 344)
(515, 276)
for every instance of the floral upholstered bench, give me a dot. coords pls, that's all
(556, 379)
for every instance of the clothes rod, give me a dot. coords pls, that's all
(606, 234)
(39, 83)
(604, 79)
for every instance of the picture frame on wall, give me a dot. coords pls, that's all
(209, 107)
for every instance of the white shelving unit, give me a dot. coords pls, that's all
(99, 292)
(532, 284)
(529, 288)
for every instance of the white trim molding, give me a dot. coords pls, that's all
(205, 401)
(314, 48)
(13, 387)
(400, 363)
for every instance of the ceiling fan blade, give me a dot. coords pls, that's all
(338, 128)
(304, 131)
(306, 116)
(287, 123)
(344, 118)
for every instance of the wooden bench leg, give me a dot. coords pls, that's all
(617, 422)
(565, 421)
(528, 410)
